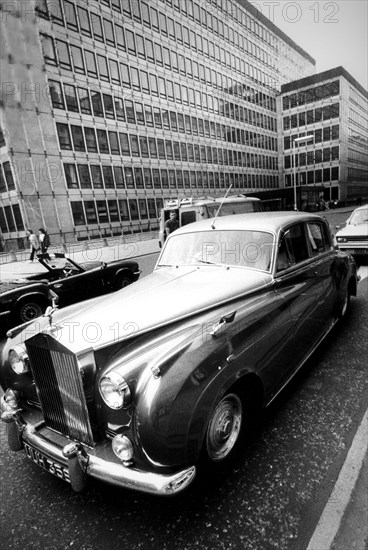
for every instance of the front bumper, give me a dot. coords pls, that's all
(81, 462)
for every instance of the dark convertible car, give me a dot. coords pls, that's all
(140, 387)
(22, 300)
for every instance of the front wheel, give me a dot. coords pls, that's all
(224, 428)
(29, 310)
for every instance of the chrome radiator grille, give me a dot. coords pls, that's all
(60, 389)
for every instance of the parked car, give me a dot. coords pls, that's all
(353, 237)
(141, 387)
(22, 300)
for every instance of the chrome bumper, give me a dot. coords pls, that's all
(81, 463)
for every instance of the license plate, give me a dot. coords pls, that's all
(47, 464)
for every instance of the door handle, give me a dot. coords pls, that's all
(59, 285)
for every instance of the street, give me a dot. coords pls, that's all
(272, 499)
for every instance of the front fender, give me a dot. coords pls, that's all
(173, 409)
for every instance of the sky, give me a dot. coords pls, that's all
(334, 33)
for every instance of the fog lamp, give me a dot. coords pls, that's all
(18, 360)
(123, 449)
(11, 399)
(341, 239)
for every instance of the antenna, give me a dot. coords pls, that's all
(219, 208)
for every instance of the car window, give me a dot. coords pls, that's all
(316, 238)
(236, 248)
(296, 244)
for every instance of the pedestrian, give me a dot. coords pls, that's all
(171, 224)
(44, 240)
(34, 245)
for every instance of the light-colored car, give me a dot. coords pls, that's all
(142, 386)
(353, 238)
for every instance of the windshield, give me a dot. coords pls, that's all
(252, 249)
(360, 216)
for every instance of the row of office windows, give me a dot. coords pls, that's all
(316, 93)
(112, 211)
(112, 107)
(86, 139)
(358, 118)
(310, 117)
(358, 137)
(105, 30)
(83, 61)
(11, 218)
(6, 178)
(358, 99)
(327, 133)
(356, 174)
(86, 176)
(312, 177)
(357, 157)
(313, 157)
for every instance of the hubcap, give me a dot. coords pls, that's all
(30, 311)
(224, 427)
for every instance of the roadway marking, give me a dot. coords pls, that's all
(332, 515)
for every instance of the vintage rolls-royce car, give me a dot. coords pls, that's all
(142, 386)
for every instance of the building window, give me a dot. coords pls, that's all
(123, 208)
(56, 95)
(119, 177)
(9, 176)
(48, 49)
(63, 54)
(90, 140)
(84, 22)
(96, 176)
(114, 143)
(97, 27)
(102, 141)
(133, 207)
(90, 63)
(84, 102)
(64, 136)
(97, 104)
(78, 140)
(84, 177)
(78, 213)
(71, 176)
(108, 105)
(90, 211)
(71, 98)
(108, 177)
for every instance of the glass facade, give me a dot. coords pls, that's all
(330, 111)
(151, 100)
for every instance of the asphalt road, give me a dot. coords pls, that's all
(271, 500)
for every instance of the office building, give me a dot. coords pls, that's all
(109, 107)
(327, 114)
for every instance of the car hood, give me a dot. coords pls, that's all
(352, 230)
(165, 296)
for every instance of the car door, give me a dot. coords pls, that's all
(321, 250)
(298, 283)
(82, 286)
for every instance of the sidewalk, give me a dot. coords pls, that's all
(91, 252)
(343, 524)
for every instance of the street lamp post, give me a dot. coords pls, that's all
(297, 141)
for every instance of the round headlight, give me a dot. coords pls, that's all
(341, 239)
(18, 360)
(114, 391)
